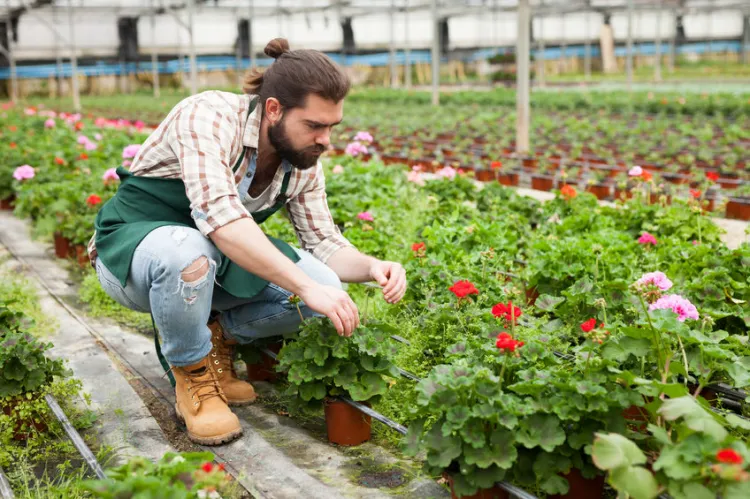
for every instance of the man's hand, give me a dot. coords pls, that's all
(334, 304)
(391, 276)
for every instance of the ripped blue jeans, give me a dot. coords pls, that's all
(181, 302)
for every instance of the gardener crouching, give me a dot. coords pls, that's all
(181, 238)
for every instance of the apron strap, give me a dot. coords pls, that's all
(162, 359)
(250, 110)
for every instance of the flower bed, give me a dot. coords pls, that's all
(535, 326)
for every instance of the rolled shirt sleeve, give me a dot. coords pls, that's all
(203, 143)
(312, 220)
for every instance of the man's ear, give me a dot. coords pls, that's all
(274, 110)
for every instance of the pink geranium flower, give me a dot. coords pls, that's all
(647, 238)
(363, 137)
(110, 174)
(338, 169)
(355, 149)
(636, 171)
(416, 177)
(658, 279)
(130, 151)
(679, 305)
(50, 123)
(24, 172)
(366, 216)
(446, 172)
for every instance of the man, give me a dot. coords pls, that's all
(181, 238)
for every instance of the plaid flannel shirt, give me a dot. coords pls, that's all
(201, 140)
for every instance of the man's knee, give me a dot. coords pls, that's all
(196, 271)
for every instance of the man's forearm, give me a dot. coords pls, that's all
(351, 265)
(245, 244)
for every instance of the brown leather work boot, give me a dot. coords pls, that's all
(202, 406)
(237, 392)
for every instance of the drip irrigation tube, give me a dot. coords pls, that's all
(5, 491)
(515, 491)
(75, 437)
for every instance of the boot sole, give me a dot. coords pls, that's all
(217, 440)
(241, 403)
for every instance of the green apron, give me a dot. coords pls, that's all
(143, 204)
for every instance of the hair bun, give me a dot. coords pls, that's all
(276, 47)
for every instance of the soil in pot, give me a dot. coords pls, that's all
(509, 179)
(542, 183)
(581, 487)
(82, 256)
(62, 246)
(19, 434)
(738, 208)
(485, 175)
(345, 424)
(265, 370)
(493, 493)
(619, 193)
(7, 203)
(600, 191)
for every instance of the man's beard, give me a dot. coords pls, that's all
(303, 159)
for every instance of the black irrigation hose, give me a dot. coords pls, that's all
(403, 430)
(6, 492)
(75, 437)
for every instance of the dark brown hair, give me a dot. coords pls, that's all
(294, 75)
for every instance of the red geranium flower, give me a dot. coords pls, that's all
(12, 145)
(507, 312)
(646, 176)
(207, 467)
(589, 325)
(93, 200)
(729, 456)
(462, 289)
(695, 193)
(221, 467)
(79, 125)
(12, 128)
(568, 191)
(712, 176)
(496, 164)
(506, 342)
(419, 249)
(59, 161)
(83, 156)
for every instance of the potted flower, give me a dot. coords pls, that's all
(738, 205)
(543, 178)
(25, 376)
(322, 366)
(512, 410)
(597, 184)
(188, 475)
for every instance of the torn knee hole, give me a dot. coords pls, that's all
(196, 270)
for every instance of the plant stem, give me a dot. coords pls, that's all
(657, 336)
(299, 311)
(684, 357)
(502, 371)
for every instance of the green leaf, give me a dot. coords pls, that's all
(312, 391)
(737, 422)
(458, 415)
(696, 418)
(581, 287)
(14, 370)
(411, 443)
(739, 373)
(625, 347)
(369, 385)
(541, 430)
(441, 450)
(346, 376)
(737, 490)
(673, 390)
(697, 491)
(636, 481)
(674, 466)
(660, 434)
(548, 303)
(554, 484)
(612, 450)
(316, 353)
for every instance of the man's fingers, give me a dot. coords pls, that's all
(333, 316)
